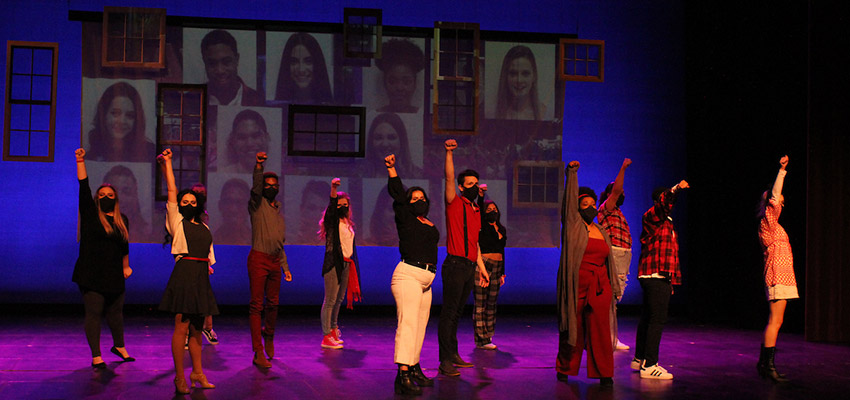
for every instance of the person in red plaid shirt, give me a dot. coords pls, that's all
(658, 270)
(614, 222)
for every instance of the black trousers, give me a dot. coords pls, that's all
(458, 274)
(97, 305)
(656, 299)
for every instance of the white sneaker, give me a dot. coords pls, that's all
(636, 364)
(488, 346)
(621, 346)
(655, 372)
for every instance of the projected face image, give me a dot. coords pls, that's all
(221, 64)
(521, 77)
(400, 84)
(248, 137)
(121, 117)
(301, 66)
(385, 139)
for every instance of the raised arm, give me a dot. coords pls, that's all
(81, 164)
(394, 186)
(451, 193)
(164, 160)
(389, 161)
(335, 182)
(257, 181)
(780, 178)
(617, 189)
(569, 205)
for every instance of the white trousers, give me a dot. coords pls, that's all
(411, 287)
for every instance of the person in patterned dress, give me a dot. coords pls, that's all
(779, 281)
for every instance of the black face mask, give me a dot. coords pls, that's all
(107, 204)
(270, 193)
(420, 208)
(471, 192)
(188, 212)
(587, 214)
(492, 216)
(343, 211)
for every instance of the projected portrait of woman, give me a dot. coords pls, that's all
(248, 136)
(124, 181)
(400, 64)
(303, 74)
(518, 96)
(387, 134)
(118, 132)
(234, 227)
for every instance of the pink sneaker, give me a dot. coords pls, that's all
(336, 335)
(328, 342)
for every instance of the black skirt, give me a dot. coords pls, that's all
(189, 290)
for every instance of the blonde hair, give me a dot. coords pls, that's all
(119, 221)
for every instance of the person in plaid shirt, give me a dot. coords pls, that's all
(614, 222)
(658, 270)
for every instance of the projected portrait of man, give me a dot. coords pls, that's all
(248, 137)
(221, 62)
(400, 63)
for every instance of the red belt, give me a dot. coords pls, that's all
(195, 259)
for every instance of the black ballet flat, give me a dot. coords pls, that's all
(100, 365)
(115, 351)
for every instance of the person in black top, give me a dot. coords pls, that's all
(103, 264)
(492, 240)
(412, 278)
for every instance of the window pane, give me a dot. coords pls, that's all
(303, 141)
(446, 91)
(192, 129)
(43, 61)
(21, 87)
(41, 117)
(115, 49)
(593, 68)
(20, 117)
(42, 87)
(115, 27)
(349, 123)
(189, 178)
(22, 59)
(151, 25)
(192, 103)
(370, 20)
(523, 193)
(465, 93)
(171, 101)
(348, 143)
(552, 193)
(537, 194)
(151, 50)
(593, 52)
(570, 68)
(581, 69)
(192, 157)
(40, 144)
(464, 119)
(19, 143)
(538, 175)
(355, 20)
(466, 65)
(326, 142)
(447, 64)
(465, 40)
(448, 40)
(134, 50)
(326, 123)
(170, 129)
(523, 175)
(305, 122)
(445, 118)
(135, 27)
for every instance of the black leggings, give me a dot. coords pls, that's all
(97, 305)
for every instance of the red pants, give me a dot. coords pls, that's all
(593, 327)
(264, 279)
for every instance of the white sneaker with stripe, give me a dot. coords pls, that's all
(655, 372)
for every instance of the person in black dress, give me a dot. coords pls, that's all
(188, 294)
(412, 278)
(103, 264)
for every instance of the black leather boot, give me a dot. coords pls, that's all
(419, 377)
(404, 384)
(766, 367)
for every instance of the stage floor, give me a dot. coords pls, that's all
(46, 357)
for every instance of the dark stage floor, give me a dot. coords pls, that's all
(46, 357)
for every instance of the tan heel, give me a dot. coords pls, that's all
(180, 385)
(201, 380)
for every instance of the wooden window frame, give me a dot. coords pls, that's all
(7, 134)
(474, 80)
(355, 32)
(558, 165)
(130, 12)
(360, 112)
(161, 145)
(563, 71)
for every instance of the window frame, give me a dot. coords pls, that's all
(10, 46)
(351, 32)
(161, 145)
(559, 165)
(294, 109)
(475, 79)
(130, 11)
(562, 70)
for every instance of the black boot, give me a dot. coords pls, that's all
(766, 367)
(419, 377)
(404, 384)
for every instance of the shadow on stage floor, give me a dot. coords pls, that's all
(45, 356)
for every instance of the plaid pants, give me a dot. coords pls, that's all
(484, 312)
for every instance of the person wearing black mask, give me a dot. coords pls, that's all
(586, 286)
(492, 240)
(265, 261)
(188, 293)
(463, 262)
(412, 278)
(339, 268)
(103, 264)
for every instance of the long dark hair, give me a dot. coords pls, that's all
(499, 219)
(100, 142)
(320, 86)
(396, 123)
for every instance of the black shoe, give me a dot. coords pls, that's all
(100, 365)
(563, 377)
(115, 351)
(448, 369)
(419, 377)
(404, 384)
(766, 367)
(606, 382)
(458, 362)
